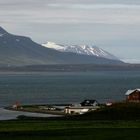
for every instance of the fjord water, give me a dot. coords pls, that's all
(46, 88)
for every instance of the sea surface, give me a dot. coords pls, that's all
(67, 87)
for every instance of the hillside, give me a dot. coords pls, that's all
(20, 50)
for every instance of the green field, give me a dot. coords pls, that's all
(38, 129)
(120, 121)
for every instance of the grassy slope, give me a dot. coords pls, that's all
(118, 111)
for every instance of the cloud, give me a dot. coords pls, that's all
(136, 61)
(110, 23)
(94, 6)
(76, 12)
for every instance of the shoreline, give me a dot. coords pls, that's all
(7, 114)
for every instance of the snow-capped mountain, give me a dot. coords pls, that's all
(18, 50)
(81, 49)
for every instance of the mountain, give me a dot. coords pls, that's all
(20, 50)
(81, 49)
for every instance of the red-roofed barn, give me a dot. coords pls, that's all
(133, 95)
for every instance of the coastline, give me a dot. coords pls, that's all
(6, 114)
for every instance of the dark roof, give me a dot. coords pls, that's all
(88, 102)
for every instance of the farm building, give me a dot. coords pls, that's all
(78, 110)
(85, 106)
(89, 103)
(133, 95)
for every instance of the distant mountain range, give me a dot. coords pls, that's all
(81, 49)
(19, 50)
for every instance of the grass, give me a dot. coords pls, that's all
(40, 125)
(120, 121)
(118, 111)
(39, 129)
(96, 134)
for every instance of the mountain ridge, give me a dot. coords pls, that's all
(90, 50)
(21, 50)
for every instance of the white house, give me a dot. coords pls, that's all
(79, 110)
(85, 106)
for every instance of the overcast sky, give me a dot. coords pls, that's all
(113, 25)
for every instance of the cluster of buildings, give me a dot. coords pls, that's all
(88, 105)
(83, 107)
(91, 105)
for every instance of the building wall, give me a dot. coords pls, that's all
(75, 111)
(133, 97)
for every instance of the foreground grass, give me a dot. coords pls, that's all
(45, 124)
(120, 121)
(69, 134)
(38, 129)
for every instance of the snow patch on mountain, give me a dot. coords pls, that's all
(17, 40)
(52, 45)
(81, 49)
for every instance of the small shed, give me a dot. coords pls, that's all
(133, 95)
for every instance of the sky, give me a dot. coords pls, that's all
(113, 25)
